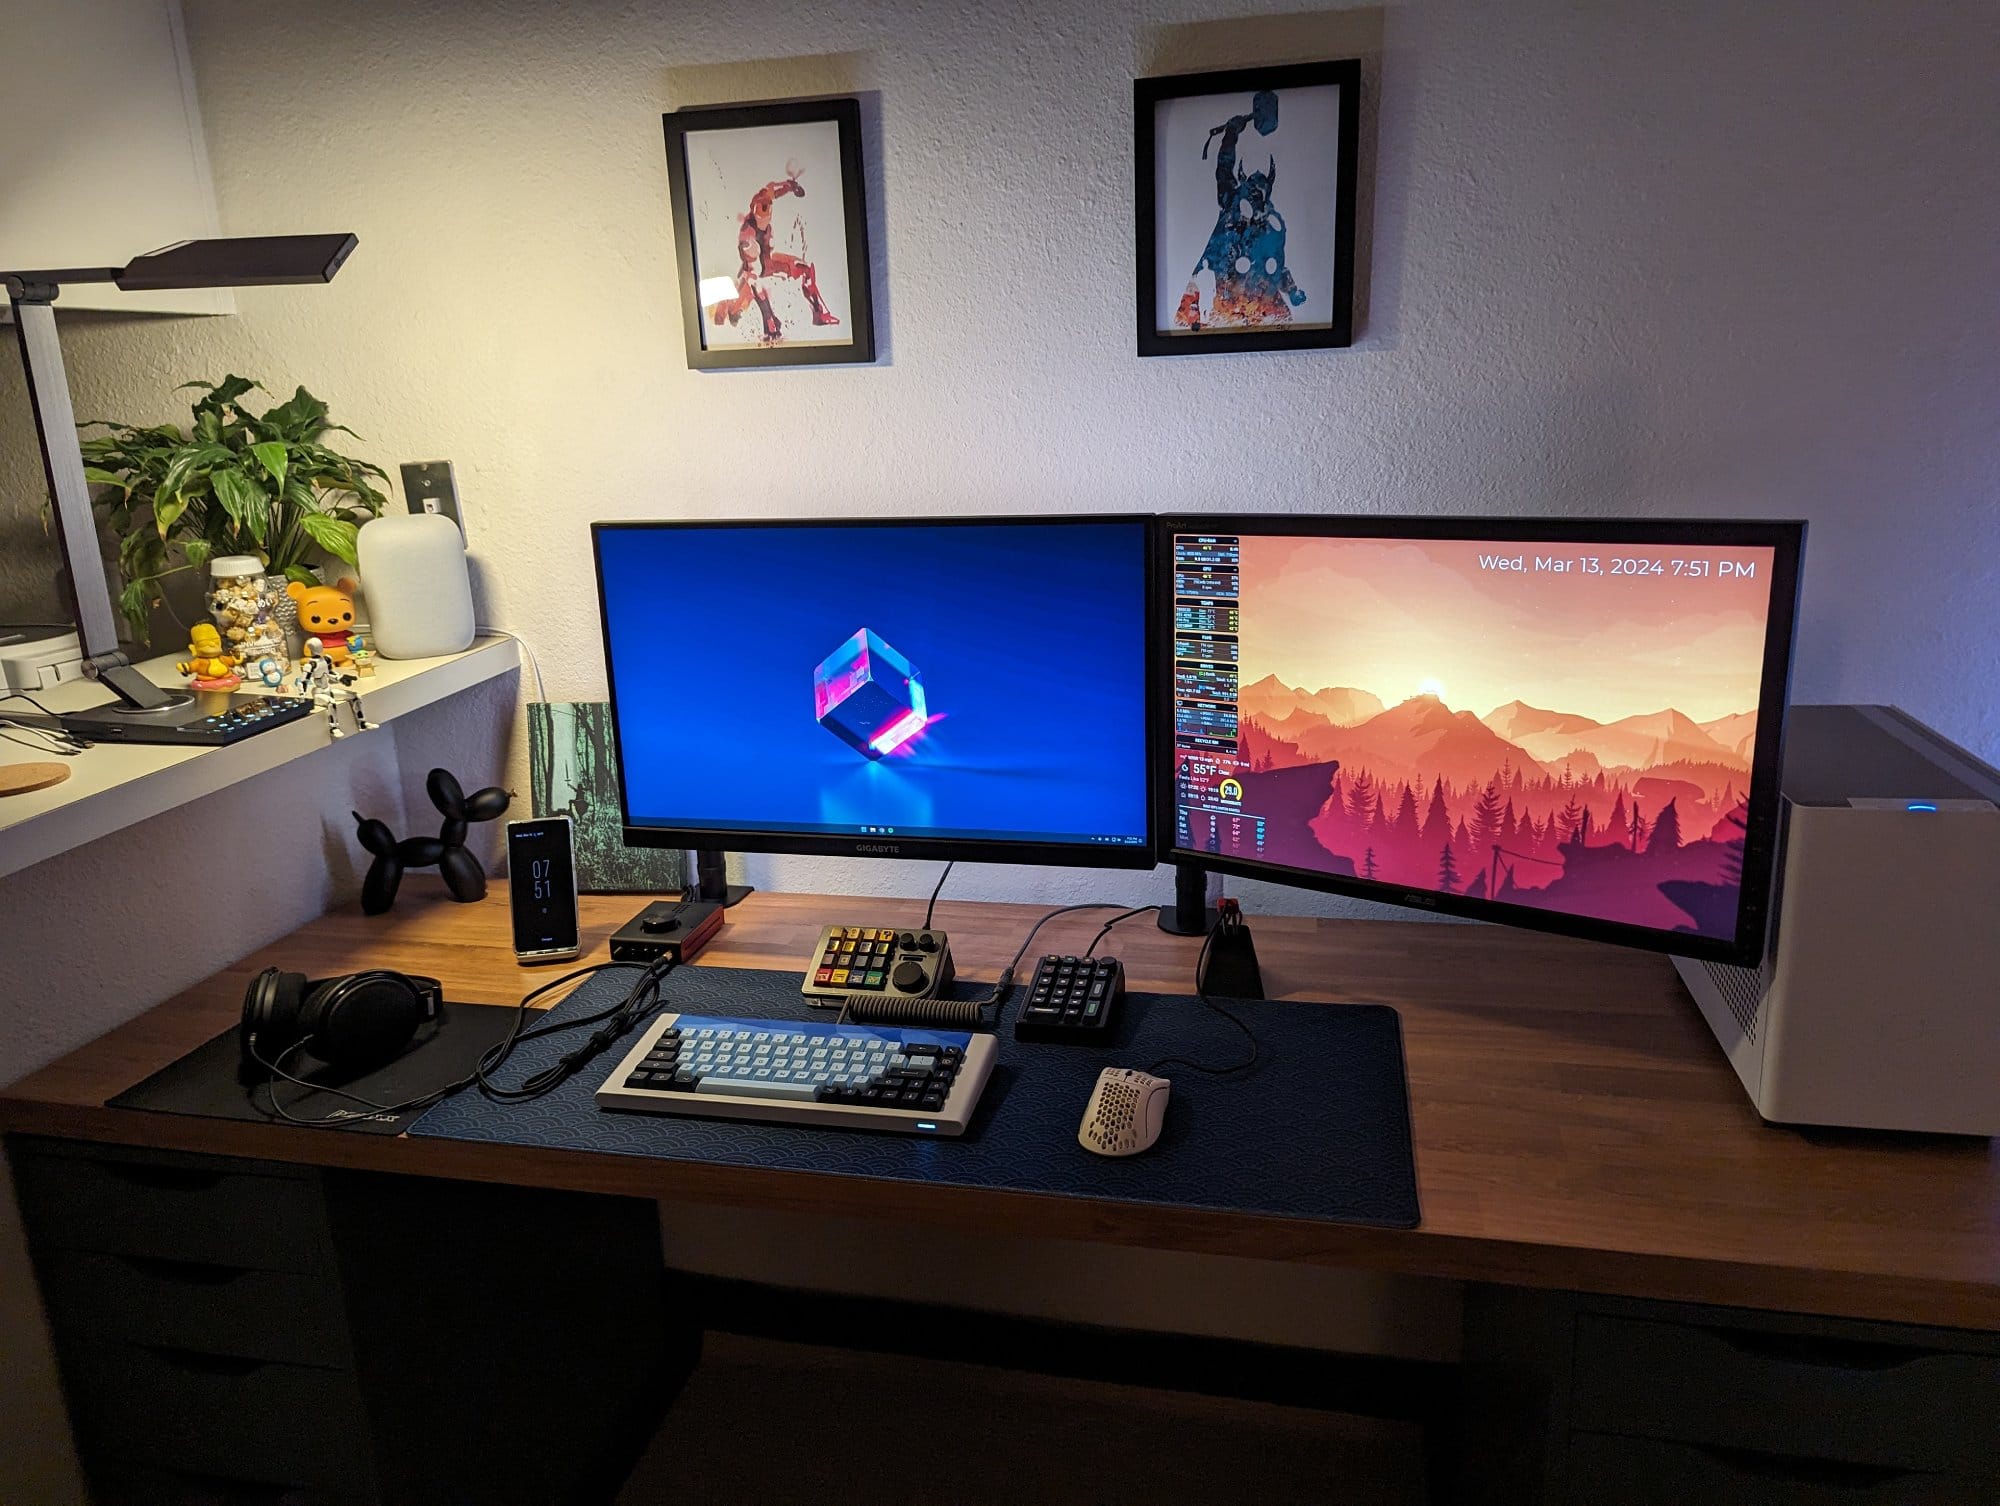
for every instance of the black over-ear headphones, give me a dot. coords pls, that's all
(352, 1023)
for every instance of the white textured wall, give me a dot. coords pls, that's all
(1693, 257)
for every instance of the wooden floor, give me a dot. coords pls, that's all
(772, 1424)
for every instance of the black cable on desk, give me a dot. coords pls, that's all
(1116, 920)
(1201, 992)
(931, 908)
(617, 1020)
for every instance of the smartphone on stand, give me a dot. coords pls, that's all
(541, 876)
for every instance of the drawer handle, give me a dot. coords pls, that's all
(186, 1272)
(1828, 1474)
(164, 1178)
(196, 1363)
(1819, 1353)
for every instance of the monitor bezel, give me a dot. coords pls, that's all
(1786, 540)
(946, 849)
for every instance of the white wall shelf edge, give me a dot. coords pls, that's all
(112, 787)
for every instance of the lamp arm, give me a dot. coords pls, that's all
(69, 492)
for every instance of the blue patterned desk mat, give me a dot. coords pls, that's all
(1319, 1130)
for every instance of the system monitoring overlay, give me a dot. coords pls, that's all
(975, 681)
(1562, 726)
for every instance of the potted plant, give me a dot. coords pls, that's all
(238, 483)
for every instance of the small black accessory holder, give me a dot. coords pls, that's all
(1231, 971)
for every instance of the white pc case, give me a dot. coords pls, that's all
(1878, 1002)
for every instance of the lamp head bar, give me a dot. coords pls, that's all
(241, 261)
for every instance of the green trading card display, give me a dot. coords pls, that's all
(573, 771)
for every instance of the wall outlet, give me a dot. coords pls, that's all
(428, 486)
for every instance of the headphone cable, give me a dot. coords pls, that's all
(641, 1000)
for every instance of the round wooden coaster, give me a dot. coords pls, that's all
(19, 778)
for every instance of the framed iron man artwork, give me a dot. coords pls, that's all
(771, 230)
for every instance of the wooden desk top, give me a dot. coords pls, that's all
(1576, 1125)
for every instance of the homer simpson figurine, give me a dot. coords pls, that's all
(206, 664)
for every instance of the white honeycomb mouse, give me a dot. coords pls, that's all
(1125, 1112)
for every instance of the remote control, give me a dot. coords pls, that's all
(1072, 999)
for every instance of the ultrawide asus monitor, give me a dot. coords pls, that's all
(1569, 726)
(948, 688)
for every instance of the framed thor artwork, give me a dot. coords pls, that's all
(771, 230)
(1245, 200)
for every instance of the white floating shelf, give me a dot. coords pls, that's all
(112, 786)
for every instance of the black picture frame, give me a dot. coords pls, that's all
(859, 316)
(1148, 94)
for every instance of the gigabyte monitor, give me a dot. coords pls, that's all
(948, 688)
(1570, 726)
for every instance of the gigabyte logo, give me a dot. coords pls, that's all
(889, 848)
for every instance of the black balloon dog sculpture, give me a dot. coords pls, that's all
(460, 869)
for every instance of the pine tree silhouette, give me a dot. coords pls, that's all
(1360, 797)
(1486, 816)
(1406, 815)
(1368, 864)
(1738, 823)
(1437, 818)
(1621, 819)
(1666, 830)
(1447, 871)
(1571, 814)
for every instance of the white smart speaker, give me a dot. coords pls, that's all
(418, 592)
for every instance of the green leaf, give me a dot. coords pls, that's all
(195, 457)
(273, 456)
(97, 475)
(335, 535)
(167, 510)
(133, 602)
(220, 393)
(197, 552)
(303, 417)
(247, 503)
(302, 575)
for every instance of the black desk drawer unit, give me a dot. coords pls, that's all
(1648, 1472)
(225, 1310)
(175, 1207)
(1597, 1401)
(257, 1420)
(237, 1333)
(1861, 1401)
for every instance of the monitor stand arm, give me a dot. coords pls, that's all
(69, 496)
(1189, 914)
(711, 879)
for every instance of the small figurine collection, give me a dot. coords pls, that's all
(336, 655)
(462, 874)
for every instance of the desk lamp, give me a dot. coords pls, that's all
(143, 711)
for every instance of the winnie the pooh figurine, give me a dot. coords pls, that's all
(326, 613)
(208, 666)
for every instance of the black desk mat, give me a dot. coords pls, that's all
(209, 1083)
(1320, 1129)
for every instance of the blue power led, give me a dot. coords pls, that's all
(923, 1126)
(1921, 805)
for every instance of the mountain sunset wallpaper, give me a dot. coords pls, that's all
(1563, 726)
